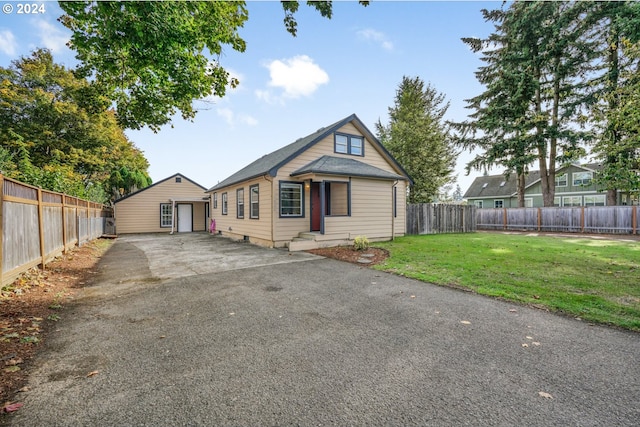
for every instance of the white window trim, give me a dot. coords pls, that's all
(166, 216)
(496, 201)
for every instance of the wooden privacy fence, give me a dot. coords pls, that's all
(577, 219)
(431, 218)
(37, 225)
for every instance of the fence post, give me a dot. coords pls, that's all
(504, 218)
(41, 226)
(1, 222)
(582, 219)
(634, 220)
(539, 219)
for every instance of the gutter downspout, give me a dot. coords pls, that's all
(173, 214)
(273, 217)
(394, 208)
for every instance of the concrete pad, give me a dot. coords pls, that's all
(188, 254)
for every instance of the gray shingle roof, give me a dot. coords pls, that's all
(329, 165)
(490, 185)
(270, 163)
(160, 182)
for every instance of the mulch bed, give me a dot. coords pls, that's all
(349, 254)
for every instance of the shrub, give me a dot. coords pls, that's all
(361, 243)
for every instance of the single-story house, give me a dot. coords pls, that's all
(322, 190)
(175, 204)
(575, 186)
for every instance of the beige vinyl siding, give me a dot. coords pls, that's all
(140, 213)
(257, 228)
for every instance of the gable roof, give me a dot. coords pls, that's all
(330, 165)
(270, 163)
(491, 185)
(160, 182)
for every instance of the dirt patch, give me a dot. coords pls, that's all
(30, 308)
(349, 254)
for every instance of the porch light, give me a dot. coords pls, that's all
(307, 185)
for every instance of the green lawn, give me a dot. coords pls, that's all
(594, 279)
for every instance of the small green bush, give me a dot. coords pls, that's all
(361, 243)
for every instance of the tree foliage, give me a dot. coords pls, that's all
(54, 138)
(418, 138)
(540, 86)
(153, 59)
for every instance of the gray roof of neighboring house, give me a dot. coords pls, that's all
(492, 185)
(329, 165)
(270, 163)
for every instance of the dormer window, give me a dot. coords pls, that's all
(349, 144)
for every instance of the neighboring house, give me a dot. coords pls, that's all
(174, 204)
(322, 190)
(574, 187)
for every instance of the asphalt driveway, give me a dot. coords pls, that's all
(195, 330)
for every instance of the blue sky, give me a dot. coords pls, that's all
(291, 86)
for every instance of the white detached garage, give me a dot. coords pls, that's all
(175, 204)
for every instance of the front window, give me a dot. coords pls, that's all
(582, 178)
(224, 203)
(349, 144)
(166, 215)
(291, 199)
(336, 197)
(240, 203)
(254, 201)
(498, 203)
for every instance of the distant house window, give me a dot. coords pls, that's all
(582, 178)
(178, 179)
(498, 203)
(528, 202)
(254, 202)
(224, 203)
(478, 203)
(572, 201)
(291, 199)
(556, 201)
(240, 203)
(597, 200)
(349, 144)
(337, 199)
(215, 200)
(561, 180)
(166, 215)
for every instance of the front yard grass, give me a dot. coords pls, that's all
(597, 280)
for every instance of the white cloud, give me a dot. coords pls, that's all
(8, 43)
(51, 36)
(236, 119)
(369, 34)
(298, 76)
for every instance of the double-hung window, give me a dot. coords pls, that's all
(224, 203)
(254, 202)
(582, 178)
(240, 203)
(349, 144)
(215, 200)
(561, 180)
(166, 215)
(291, 199)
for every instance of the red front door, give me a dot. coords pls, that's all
(315, 206)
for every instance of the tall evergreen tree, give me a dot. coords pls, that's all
(418, 138)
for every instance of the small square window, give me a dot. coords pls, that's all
(178, 179)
